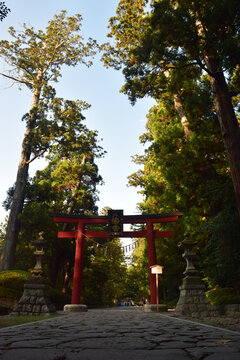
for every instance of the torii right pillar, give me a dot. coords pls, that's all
(151, 261)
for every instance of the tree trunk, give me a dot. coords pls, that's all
(180, 110)
(182, 115)
(228, 121)
(13, 227)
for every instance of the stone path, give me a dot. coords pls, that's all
(119, 333)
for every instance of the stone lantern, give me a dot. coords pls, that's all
(192, 301)
(35, 300)
(40, 244)
(188, 254)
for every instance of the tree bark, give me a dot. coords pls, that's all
(182, 115)
(13, 227)
(180, 110)
(227, 119)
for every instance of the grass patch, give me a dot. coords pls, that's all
(7, 320)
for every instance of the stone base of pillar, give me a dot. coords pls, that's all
(35, 300)
(75, 308)
(155, 307)
(193, 301)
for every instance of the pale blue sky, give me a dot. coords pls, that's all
(118, 123)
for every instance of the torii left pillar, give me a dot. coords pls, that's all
(77, 275)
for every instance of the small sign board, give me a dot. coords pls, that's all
(156, 269)
(115, 222)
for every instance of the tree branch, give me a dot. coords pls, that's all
(197, 62)
(53, 56)
(181, 66)
(36, 156)
(17, 80)
(204, 67)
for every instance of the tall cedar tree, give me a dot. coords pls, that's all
(68, 185)
(36, 58)
(201, 36)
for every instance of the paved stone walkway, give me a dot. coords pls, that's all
(119, 333)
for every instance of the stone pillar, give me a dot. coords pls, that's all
(35, 300)
(192, 301)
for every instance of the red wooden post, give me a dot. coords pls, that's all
(78, 266)
(151, 261)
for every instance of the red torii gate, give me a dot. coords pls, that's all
(80, 233)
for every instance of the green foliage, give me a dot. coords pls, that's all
(11, 286)
(126, 29)
(178, 42)
(38, 56)
(222, 251)
(190, 175)
(35, 59)
(152, 37)
(167, 255)
(14, 279)
(67, 185)
(4, 10)
(137, 280)
(220, 296)
(34, 219)
(163, 48)
(11, 294)
(104, 274)
(58, 298)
